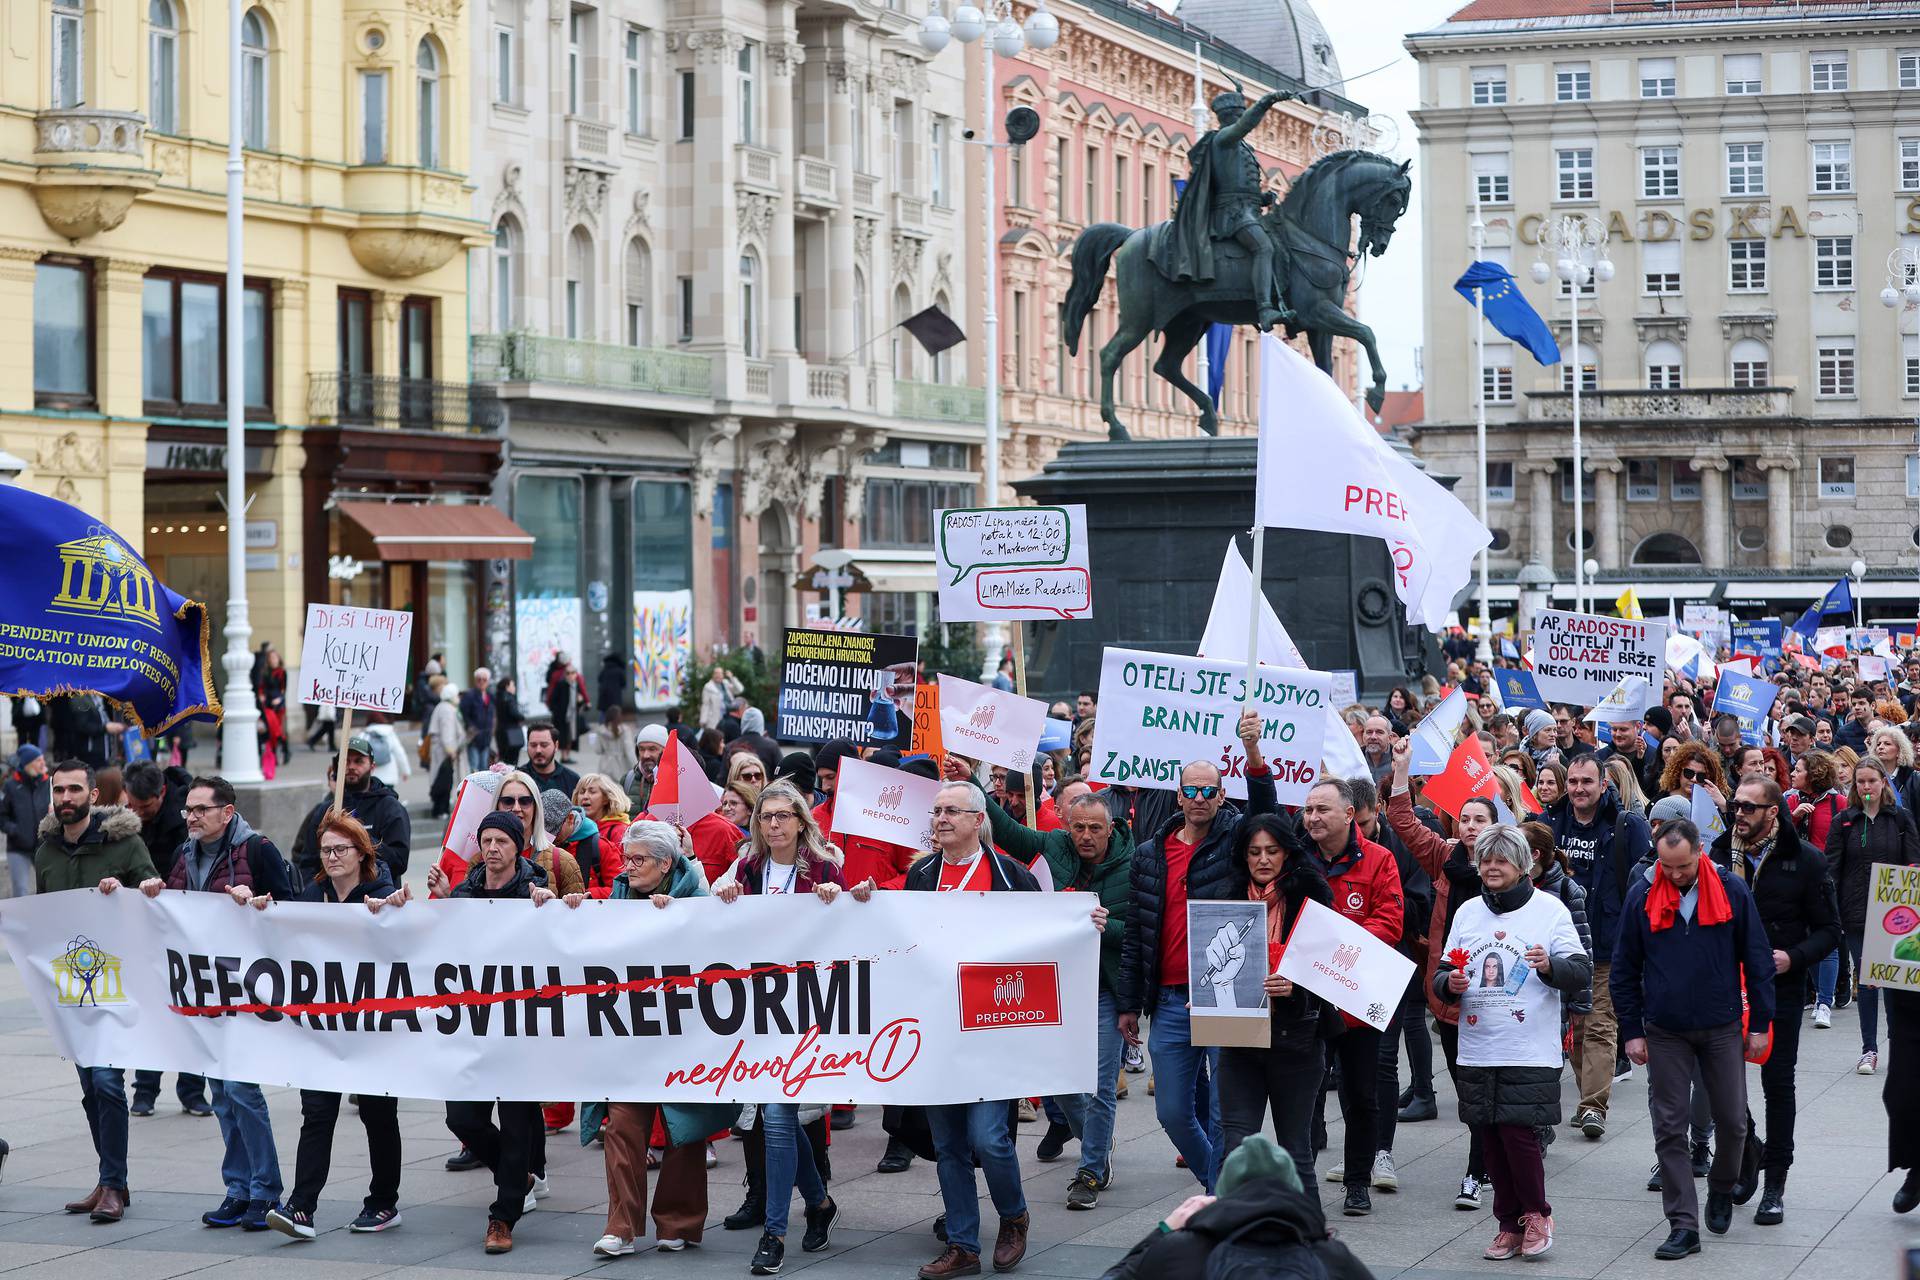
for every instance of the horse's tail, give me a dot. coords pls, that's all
(1091, 254)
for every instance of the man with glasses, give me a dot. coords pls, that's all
(1188, 857)
(1794, 897)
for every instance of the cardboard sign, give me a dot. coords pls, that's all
(847, 684)
(1579, 658)
(1013, 562)
(926, 722)
(355, 658)
(884, 804)
(1227, 973)
(1345, 965)
(1346, 688)
(980, 721)
(1891, 956)
(1162, 711)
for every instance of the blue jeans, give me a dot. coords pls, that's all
(251, 1168)
(789, 1160)
(1867, 999)
(961, 1132)
(1096, 1129)
(103, 1096)
(1181, 1074)
(1826, 976)
(477, 756)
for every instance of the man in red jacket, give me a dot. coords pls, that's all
(1366, 890)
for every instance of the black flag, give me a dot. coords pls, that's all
(934, 329)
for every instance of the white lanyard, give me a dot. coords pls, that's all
(979, 862)
(766, 877)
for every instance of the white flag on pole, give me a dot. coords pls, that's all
(1628, 701)
(1433, 736)
(1322, 467)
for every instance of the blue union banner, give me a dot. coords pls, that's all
(80, 612)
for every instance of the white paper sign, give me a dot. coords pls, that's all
(1579, 658)
(355, 657)
(1345, 965)
(980, 721)
(1013, 562)
(1162, 711)
(884, 804)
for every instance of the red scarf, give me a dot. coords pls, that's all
(1710, 908)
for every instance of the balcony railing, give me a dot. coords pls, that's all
(368, 400)
(909, 213)
(816, 180)
(757, 167)
(936, 402)
(589, 140)
(529, 357)
(1692, 404)
(121, 133)
(760, 379)
(866, 190)
(827, 384)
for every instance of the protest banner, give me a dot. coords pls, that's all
(1891, 956)
(1763, 637)
(1579, 658)
(1626, 701)
(1871, 666)
(1345, 965)
(682, 792)
(911, 998)
(1227, 959)
(1468, 776)
(1517, 690)
(847, 684)
(1346, 687)
(984, 723)
(1433, 736)
(1161, 711)
(926, 722)
(1017, 563)
(1747, 700)
(1830, 643)
(880, 803)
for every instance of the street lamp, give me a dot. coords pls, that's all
(1858, 572)
(1573, 247)
(1006, 38)
(1902, 291)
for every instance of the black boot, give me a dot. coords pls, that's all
(896, 1159)
(1772, 1208)
(753, 1210)
(1702, 1156)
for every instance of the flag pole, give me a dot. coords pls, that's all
(1032, 819)
(1478, 234)
(1258, 598)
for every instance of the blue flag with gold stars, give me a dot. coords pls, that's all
(80, 612)
(1507, 310)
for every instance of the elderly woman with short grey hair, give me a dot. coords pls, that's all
(1512, 955)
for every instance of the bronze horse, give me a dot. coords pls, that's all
(1311, 231)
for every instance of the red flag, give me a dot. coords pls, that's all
(1530, 800)
(681, 792)
(1468, 776)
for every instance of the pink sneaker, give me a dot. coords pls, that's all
(1504, 1246)
(1539, 1236)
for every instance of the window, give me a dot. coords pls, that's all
(1489, 86)
(355, 319)
(1750, 363)
(577, 303)
(904, 348)
(1572, 82)
(860, 326)
(1743, 73)
(1910, 164)
(1575, 166)
(1492, 179)
(1090, 187)
(1659, 173)
(937, 162)
(63, 332)
(899, 512)
(506, 274)
(857, 107)
(639, 87)
(1833, 262)
(69, 26)
(905, 151)
(1017, 313)
(685, 98)
(684, 288)
(1563, 288)
(1746, 266)
(1829, 72)
(427, 63)
(373, 117)
(579, 32)
(1643, 480)
(1663, 363)
(1119, 187)
(416, 362)
(1566, 483)
(1833, 166)
(1660, 268)
(943, 360)
(1909, 69)
(1496, 374)
(749, 94)
(1499, 482)
(163, 67)
(1749, 482)
(1017, 177)
(639, 285)
(1149, 178)
(662, 535)
(750, 303)
(1589, 370)
(1657, 78)
(1835, 364)
(1746, 168)
(504, 79)
(1060, 179)
(183, 329)
(1836, 479)
(255, 117)
(1686, 481)
(1910, 359)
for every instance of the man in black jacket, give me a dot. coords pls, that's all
(23, 805)
(1793, 894)
(1189, 858)
(374, 803)
(163, 830)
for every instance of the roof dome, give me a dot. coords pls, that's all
(1284, 34)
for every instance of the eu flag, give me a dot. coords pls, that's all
(1507, 310)
(80, 612)
(1839, 599)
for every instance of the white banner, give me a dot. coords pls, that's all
(355, 658)
(1013, 562)
(1345, 965)
(911, 998)
(1162, 711)
(884, 804)
(1891, 956)
(1580, 658)
(980, 721)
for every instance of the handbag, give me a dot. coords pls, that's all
(425, 751)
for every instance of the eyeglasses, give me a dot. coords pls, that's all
(1199, 793)
(634, 859)
(1698, 775)
(327, 849)
(779, 815)
(752, 775)
(1748, 806)
(200, 810)
(949, 811)
(516, 802)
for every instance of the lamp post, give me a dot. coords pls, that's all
(1477, 241)
(1006, 38)
(1576, 244)
(1858, 572)
(239, 751)
(1902, 291)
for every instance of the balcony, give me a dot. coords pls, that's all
(866, 191)
(827, 384)
(528, 357)
(909, 214)
(590, 143)
(1686, 404)
(815, 181)
(92, 167)
(760, 379)
(368, 400)
(756, 167)
(937, 402)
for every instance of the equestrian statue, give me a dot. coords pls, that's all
(1230, 254)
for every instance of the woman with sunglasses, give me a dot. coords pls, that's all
(745, 766)
(1694, 764)
(519, 795)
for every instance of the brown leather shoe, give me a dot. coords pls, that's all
(113, 1203)
(87, 1205)
(1011, 1245)
(954, 1262)
(499, 1236)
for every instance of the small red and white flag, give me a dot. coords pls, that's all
(681, 790)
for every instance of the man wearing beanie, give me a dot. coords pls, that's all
(23, 805)
(648, 746)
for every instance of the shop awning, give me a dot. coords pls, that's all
(433, 531)
(906, 571)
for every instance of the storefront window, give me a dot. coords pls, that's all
(450, 615)
(547, 606)
(662, 591)
(662, 536)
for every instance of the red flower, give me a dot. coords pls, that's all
(1459, 957)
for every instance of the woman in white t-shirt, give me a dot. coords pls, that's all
(1511, 954)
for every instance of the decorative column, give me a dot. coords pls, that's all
(1606, 492)
(782, 59)
(1540, 513)
(1779, 509)
(1713, 511)
(118, 284)
(841, 305)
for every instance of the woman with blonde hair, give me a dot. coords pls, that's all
(1625, 781)
(1894, 749)
(1510, 793)
(737, 801)
(606, 805)
(746, 766)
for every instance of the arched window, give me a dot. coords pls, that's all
(1664, 359)
(902, 340)
(163, 67)
(256, 119)
(860, 326)
(579, 299)
(943, 363)
(1751, 363)
(506, 274)
(427, 64)
(1589, 362)
(639, 290)
(750, 303)
(1666, 548)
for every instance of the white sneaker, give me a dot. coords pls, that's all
(1823, 1016)
(1133, 1059)
(1869, 1063)
(1384, 1178)
(1469, 1197)
(530, 1204)
(1337, 1174)
(670, 1245)
(713, 1162)
(612, 1246)
(540, 1188)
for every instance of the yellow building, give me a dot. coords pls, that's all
(113, 154)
